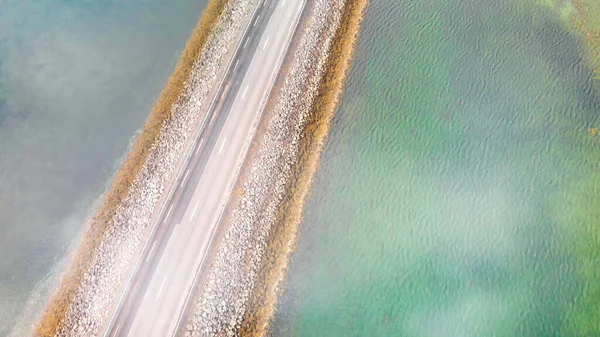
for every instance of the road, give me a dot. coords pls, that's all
(158, 291)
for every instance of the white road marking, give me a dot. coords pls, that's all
(151, 250)
(134, 288)
(221, 149)
(117, 329)
(185, 177)
(245, 91)
(199, 146)
(169, 212)
(161, 288)
(194, 212)
(225, 91)
(246, 43)
(266, 42)
(258, 17)
(237, 63)
(282, 3)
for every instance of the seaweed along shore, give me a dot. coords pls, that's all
(103, 260)
(239, 296)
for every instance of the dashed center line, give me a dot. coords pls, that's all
(246, 43)
(221, 149)
(245, 91)
(266, 43)
(282, 3)
(224, 91)
(161, 288)
(194, 212)
(151, 250)
(199, 146)
(237, 63)
(169, 212)
(185, 177)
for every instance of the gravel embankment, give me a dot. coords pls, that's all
(87, 313)
(232, 277)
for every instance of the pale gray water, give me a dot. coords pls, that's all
(77, 79)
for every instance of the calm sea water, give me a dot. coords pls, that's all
(459, 190)
(77, 79)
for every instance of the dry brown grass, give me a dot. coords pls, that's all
(283, 238)
(55, 311)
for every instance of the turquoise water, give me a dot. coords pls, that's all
(458, 192)
(77, 79)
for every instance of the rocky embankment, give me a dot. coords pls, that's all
(233, 274)
(110, 264)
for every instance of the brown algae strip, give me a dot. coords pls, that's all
(585, 20)
(54, 314)
(283, 238)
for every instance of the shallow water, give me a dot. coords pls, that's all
(458, 192)
(77, 79)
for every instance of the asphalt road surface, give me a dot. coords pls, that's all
(157, 293)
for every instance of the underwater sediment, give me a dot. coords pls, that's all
(582, 18)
